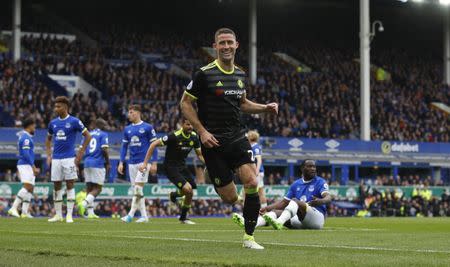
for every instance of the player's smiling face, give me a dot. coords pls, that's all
(226, 46)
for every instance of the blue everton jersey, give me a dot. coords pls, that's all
(257, 151)
(26, 149)
(93, 158)
(64, 132)
(304, 191)
(138, 137)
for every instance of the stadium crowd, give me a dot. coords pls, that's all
(400, 105)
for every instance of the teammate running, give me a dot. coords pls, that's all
(179, 144)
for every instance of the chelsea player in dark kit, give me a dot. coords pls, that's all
(179, 143)
(219, 89)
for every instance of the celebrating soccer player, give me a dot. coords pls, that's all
(96, 167)
(27, 170)
(63, 130)
(179, 144)
(220, 91)
(137, 136)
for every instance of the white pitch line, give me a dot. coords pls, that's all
(289, 244)
(238, 242)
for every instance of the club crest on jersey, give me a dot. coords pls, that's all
(26, 142)
(67, 125)
(141, 130)
(311, 188)
(240, 84)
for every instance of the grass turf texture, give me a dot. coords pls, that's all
(217, 242)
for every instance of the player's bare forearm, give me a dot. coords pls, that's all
(87, 139)
(48, 145)
(105, 153)
(258, 163)
(250, 107)
(150, 151)
(326, 199)
(190, 113)
(199, 154)
(280, 205)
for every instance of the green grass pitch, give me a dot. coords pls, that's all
(217, 242)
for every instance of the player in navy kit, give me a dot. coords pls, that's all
(179, 144)
(27, 170)
(304, 206)
(96, 167)
(63, 131)
(137, 137)
(219, 90)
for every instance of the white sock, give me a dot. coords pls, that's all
(133, 206)
(136, 201)
(70, 201)
(26, 203)
(260, 222)
(142, 208)
(89, 200)
(90, 210)
(139, 191)
(289, 212)
(21, 196)
(58, 202)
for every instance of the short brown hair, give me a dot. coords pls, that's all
(135, 107)
(222, 31)
(63, 100)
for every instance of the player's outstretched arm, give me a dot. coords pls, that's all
(248, 106)
(326, 199)
(48, 149)
(199, 154)
(87, 139)
(189, 113)
(149, 154)
(280, 205)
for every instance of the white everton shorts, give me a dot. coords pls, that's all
(26, 174)
(64, 169)
(94, 175)
(314, 219)
(135, 175)
(260, 178)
